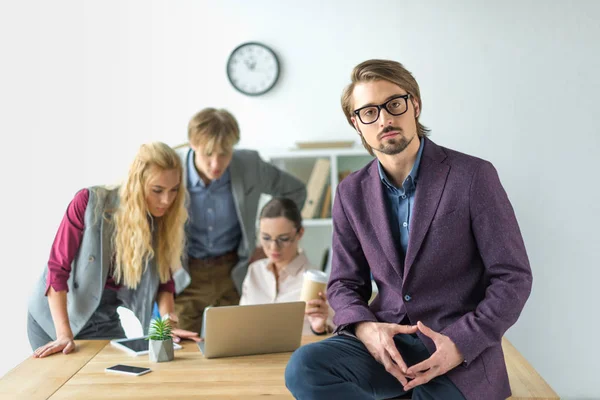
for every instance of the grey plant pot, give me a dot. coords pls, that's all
(161, 350)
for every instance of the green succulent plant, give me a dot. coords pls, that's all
(160, 329)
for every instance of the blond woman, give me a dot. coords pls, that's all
(114, 247)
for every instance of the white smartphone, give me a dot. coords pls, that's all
(136, 346)
(128, 370)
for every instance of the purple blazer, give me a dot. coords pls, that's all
(466, 272)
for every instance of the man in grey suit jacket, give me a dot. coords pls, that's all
(436, 230)
(224, 186)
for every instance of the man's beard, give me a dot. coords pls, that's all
(394, 145)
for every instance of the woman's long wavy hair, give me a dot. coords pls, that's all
(133, 237)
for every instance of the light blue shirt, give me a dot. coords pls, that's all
(401, 200)
(214, 228)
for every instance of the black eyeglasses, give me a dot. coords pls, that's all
(395, 106)
(281, 241)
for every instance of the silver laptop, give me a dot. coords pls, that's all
(257, 329)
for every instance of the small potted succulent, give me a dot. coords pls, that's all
(161, 340)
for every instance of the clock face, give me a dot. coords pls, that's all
(253, 68)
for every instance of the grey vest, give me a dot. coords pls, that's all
(89, 272)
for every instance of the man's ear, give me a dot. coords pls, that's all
(356, 126)
(416, 107)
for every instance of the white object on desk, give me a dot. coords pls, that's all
(136, 346)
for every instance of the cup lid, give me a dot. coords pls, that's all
(316, 275)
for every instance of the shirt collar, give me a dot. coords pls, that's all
(411, 179)
(193, 176)
(294, 267)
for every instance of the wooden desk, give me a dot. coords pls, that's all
(39, 378)
(525, 382)
(191, 376)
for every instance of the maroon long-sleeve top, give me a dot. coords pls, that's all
(66, 244)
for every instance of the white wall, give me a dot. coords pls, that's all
(83, 83)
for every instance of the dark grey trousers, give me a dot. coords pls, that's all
(342, 368)
(103, 324)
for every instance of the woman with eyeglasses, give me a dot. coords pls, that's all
(278, 278)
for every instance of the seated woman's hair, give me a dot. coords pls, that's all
(282, 207)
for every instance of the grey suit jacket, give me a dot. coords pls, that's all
(250, 177)
(89, 272)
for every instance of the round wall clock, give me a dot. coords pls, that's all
(253, 68)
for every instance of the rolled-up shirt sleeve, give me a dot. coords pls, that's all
(66, 243)
(168, 286)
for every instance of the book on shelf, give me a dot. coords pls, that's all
(326, 207)
(343, 174)
(315, 188)
(325, 144)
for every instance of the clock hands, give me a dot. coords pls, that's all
(250, 63)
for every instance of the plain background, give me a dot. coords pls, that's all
(84, 83)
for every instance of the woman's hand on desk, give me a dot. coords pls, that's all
(317, 312)
(65, 344)
(179, 334)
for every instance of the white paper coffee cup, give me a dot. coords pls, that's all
(314, 282)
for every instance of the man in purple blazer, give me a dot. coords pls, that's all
(437, 232)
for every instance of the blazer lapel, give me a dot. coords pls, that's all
(184, 164)
(237, 188)
(430, 186)
(380, 218)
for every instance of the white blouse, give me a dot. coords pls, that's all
(261, 287)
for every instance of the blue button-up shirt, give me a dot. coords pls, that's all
(401, 200)
(214, 228)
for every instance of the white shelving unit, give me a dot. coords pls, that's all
(300, 162)
(318, 222)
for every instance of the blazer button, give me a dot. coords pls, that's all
(407, 297)
(91, 259)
